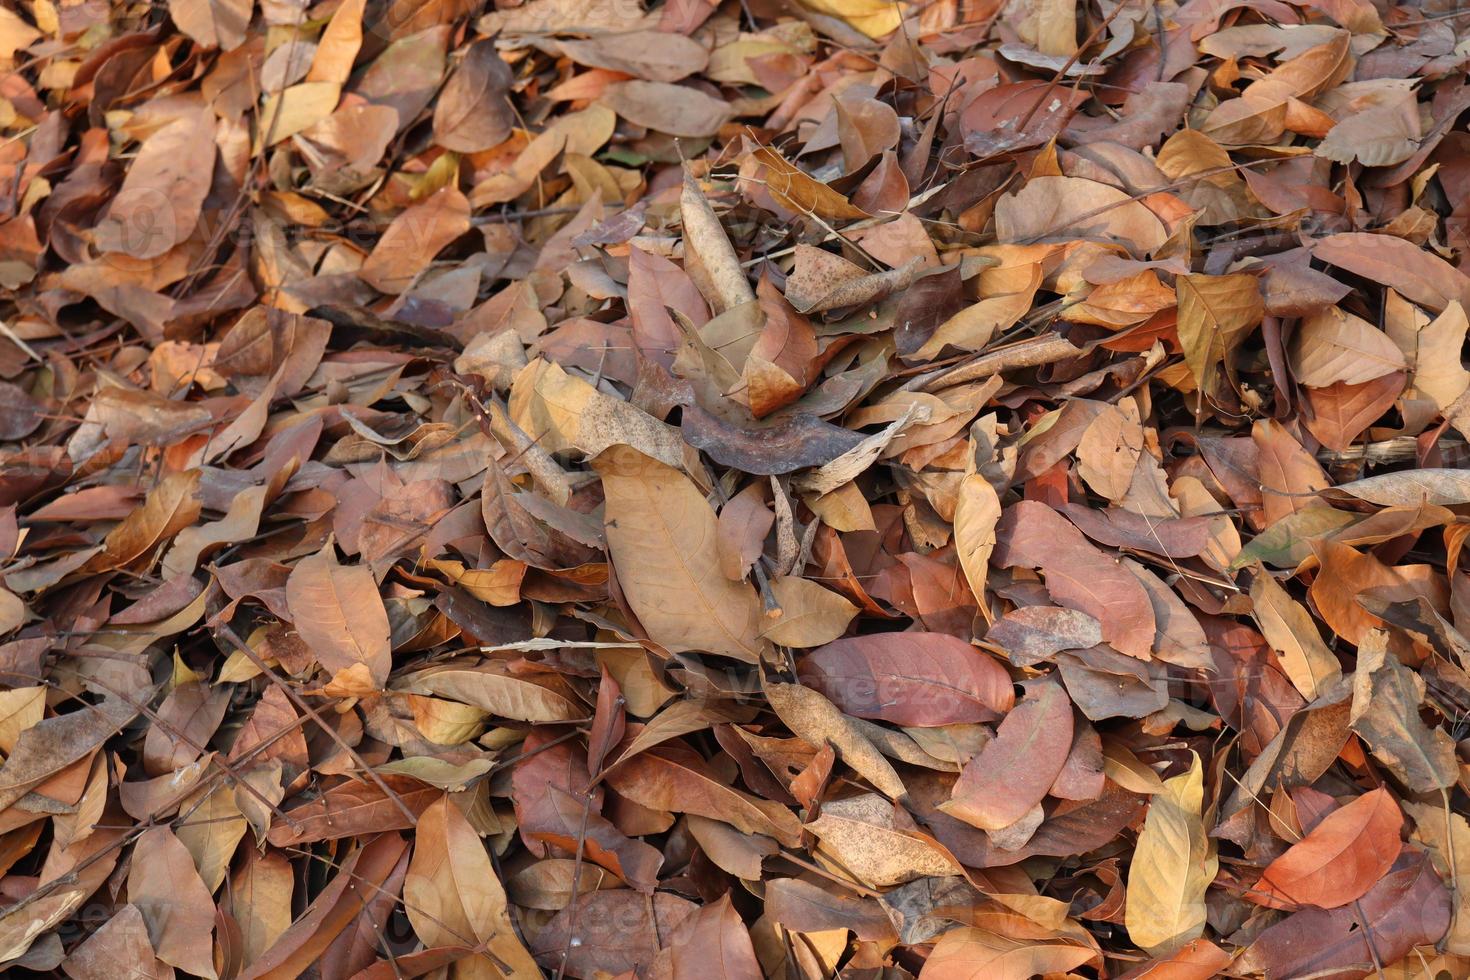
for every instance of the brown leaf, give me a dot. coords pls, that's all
(619, 931)
(451, 875)
(654, 285)
(213, 23)
(910, 679)
(676, 779)
(473, 112)
(673, 109)
(877, 841)
(1422, 277)
(651, 55)
(339, 613)
(164, 190)
(353, 809)
(1078, 575)
(963, 951)
(413, 239)
(170, 507)
(1289, 474)
(1032, 634)
(47, 747)
(331, 911)
(793, 188)
(711, 942)
(1341, 412)
(174, 902)
(815, 720)
(1386, 697)
(1215, 314)
(1407, 907)
(1013, 772)
(633, 861)
(661, 538)
(787, 443)
(121, 939)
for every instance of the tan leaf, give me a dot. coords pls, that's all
(652, 55)
(163, 191)
(975, 515)
(261, 892)
(673, 109)
(1289, 629)
(176, 905)
(413, 239)
(454, 897)
(1431, 348)
(878, 842)
(1334, 346)
(1288, 472)
(338, 612)
(969, 951)
(661, 537)
(793, 188)
(1070, 207)
(810, 615)
(674, 778)
(818, 722)
(1215, 314)
(495, 689)
(213, 23)
(1386, 697)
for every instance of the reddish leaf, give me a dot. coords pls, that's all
(1016, 769)
(909, 678)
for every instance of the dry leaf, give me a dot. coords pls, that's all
(661, 538)
(340, 616)
(1173, 866)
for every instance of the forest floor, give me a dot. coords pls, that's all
(746, 489)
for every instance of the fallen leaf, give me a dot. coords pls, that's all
(340, 615)
(1078, 575)
(1339, 860)
(1014, 771)
(452, 894)
(1173, 866)
(909, 679)
(661, 538)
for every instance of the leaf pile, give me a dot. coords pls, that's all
(954, 490)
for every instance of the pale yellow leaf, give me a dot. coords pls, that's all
(1171, 868)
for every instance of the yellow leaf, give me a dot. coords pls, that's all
(810, 615)
(20, 708)
(1172, 866)
(1289, 629)
(975, 515)
(875, 18)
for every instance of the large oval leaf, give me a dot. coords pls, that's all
(661, 536)
(920, 679)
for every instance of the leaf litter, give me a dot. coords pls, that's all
(748, 490)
